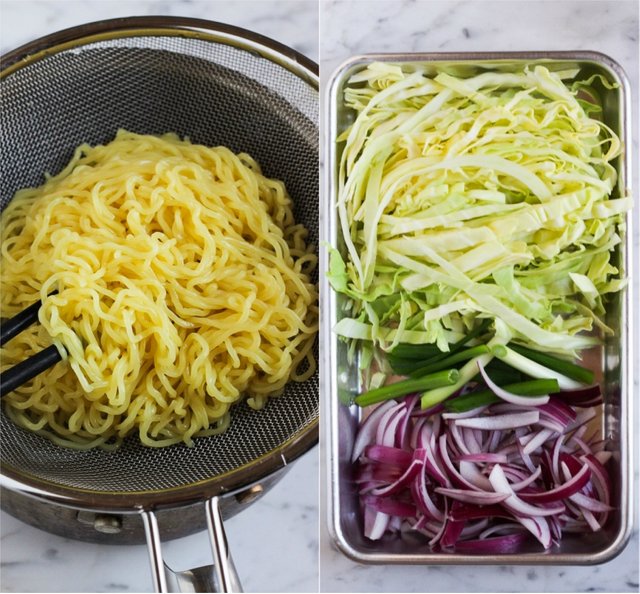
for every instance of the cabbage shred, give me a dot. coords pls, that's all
(486, 196)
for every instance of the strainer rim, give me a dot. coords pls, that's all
(154, 25)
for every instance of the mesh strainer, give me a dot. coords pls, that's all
(218, 85)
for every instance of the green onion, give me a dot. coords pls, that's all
(533, 369)
(403, 366)
(467, 372)
(428, 382)
(451, 360)
(500, 376)
(404, 357)
(484, 397)
(576, 372)
(416, 352)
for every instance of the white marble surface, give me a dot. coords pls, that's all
(355, 27)
(274, 542)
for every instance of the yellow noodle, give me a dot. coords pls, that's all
(183, 287)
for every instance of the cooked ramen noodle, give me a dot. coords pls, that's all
(183, 286)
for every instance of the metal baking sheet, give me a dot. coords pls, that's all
(340, 381)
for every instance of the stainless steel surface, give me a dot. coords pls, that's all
(55, 516)
(225, 572)
(219, 577)
(215, 84)
(339, 381)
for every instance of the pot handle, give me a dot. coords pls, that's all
(219, 577)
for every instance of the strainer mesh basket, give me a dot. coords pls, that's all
(213, 93)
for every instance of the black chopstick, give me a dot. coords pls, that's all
(26, 370)
(20, 321)
(21, 373)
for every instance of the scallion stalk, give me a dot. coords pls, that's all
(535, 370)
(405, 357)
(484, 397)
(571, 370)
(467, 372)
(451, 360)
(408, 386)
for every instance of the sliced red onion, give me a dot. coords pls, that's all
(539, 527)
(591, 520)
(390, 506)
(508, 396)
(395, 524)
(403, 429)
(416, 432)
(601, 480)
(375, 523)
(474, 412)
(443, 527)
(470, 472)
(466, 478)
(528, 462)
(583, 417)
(428, 412)
(459, 440)
(397, 486)
(497, 545)
(525, 482)
(380, 473)
(388, 435)
(590, 504)
(472, 529)
(475, 497)
(564, 491)
(470, 436)
(501, 485)
(423, 501)
(491, 423)
(451, 533)
(537, 441)
(558, 411)
(369, 428)
(388, 455)
(503, 529)
(450, 468)
(582, 397)
(483, 457)
(433, 468)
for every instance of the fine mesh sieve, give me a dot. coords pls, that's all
(217, 85)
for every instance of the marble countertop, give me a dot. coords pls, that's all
(351, 28)
(274, 542)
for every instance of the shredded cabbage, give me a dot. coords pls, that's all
(476, 195)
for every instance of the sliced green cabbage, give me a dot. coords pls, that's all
(476, 195)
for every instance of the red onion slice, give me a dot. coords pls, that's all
(369, 428)
(484, 457)
(387, 455)
(390, 506)
(497, 545)
(564, 491)
(474, 497)
(509, 421)
(388, 434)
(539, 527)
(404, 480)
(375, 523)
(501, 485)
